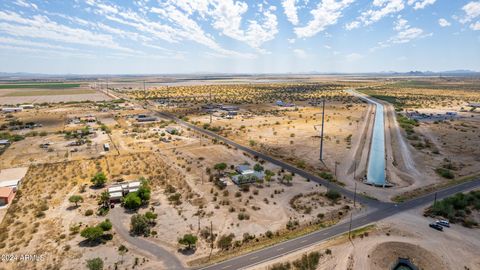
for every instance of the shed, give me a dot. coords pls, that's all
(242, 168)
(4, 142)
(6, 195)
(12, 177)
(115, 189)
(116, 196)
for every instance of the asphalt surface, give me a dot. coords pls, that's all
(293, 245)
(117, 215)
(377, 210)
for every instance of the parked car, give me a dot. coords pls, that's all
(436, 226)
(443, 223)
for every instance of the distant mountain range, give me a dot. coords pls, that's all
(25, 75)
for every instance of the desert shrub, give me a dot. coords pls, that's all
(225, 241)
(105, 225)
(140, 225)
(445, 173)
(307, 262)
(333, 195)
(95, 264)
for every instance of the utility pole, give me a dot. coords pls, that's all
(336, 169)
(355, 196)
(350, 227)
(355, 170)
(321, 134)
(210, 93)
(211, 239)
(199, 221)
(435, 199)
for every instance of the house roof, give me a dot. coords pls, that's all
(115, 189)
(13, 174)
(5, 192)
(134, 184)
(116, 195)
(242, 168)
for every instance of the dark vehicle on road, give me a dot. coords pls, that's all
(436, 226)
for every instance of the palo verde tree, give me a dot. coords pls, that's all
(75, 199)
(220, 167)
(104, 199)
(188, 240)
(99, 180)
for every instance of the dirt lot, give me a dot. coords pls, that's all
(406, 235)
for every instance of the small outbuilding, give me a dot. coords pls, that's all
(6, 195)
(4, 142)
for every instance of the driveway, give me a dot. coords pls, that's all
(117, 217)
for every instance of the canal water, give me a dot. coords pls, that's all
(376, 158)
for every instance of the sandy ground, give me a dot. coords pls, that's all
(403, 235)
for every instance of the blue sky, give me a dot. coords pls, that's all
(238, 36)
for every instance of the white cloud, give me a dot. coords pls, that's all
(475, 26)
(420, 4)
(352, 25)
(300, 53)
(405, 34)
(381, 8)
(472, 12)
(325, 14)
(227, 16)
(26, 4)
(443, 22)
(42, 27)
(290, 9)
(401, 24)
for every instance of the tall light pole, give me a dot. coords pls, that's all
(321, 133)
(211, 106)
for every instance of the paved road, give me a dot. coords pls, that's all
(363, 200)
(378, 210)
(117, 215)
(293, 245)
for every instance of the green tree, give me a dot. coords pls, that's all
(144, 190)
(75, 199)
(287, 178)
(104, 199)
(220, 167)
(132, 201)
(151, 217)
(95, 264)
(99, 179)
(92, 234)
(258, 167)
(105, 225)
(188, 240)
(139, 225)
